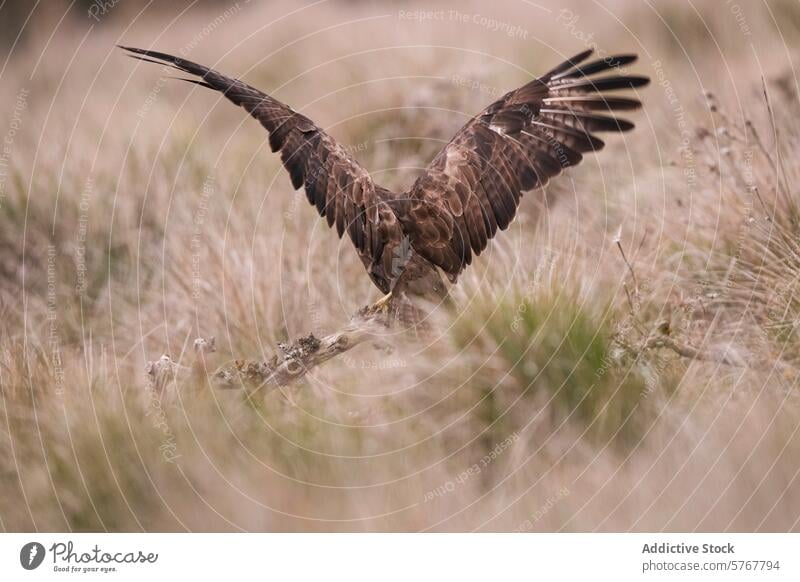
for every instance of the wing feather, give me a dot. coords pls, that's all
(516, 144)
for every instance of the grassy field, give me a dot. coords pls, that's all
(624, 357)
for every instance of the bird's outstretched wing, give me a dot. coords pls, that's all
(340, 188)
(518, 143)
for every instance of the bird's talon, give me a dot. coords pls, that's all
(382, 305)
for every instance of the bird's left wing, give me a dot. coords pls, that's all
(474, 185)
(340, 188)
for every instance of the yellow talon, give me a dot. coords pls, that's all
(383, 303)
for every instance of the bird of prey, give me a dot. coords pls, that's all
(470, 190)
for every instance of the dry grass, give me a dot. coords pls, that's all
(137, 214)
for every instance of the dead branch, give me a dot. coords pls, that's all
(692, 353)
(293, 361)
(165, 371)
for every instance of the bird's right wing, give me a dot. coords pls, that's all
(340, 188)
(474, 185)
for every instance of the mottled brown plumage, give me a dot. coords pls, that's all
(471, 189)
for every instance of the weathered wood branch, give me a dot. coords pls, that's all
(293, 361)
(689, 352)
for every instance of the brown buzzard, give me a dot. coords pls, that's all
(472, 187)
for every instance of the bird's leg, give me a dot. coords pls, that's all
(382, 304)
(381, 309)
